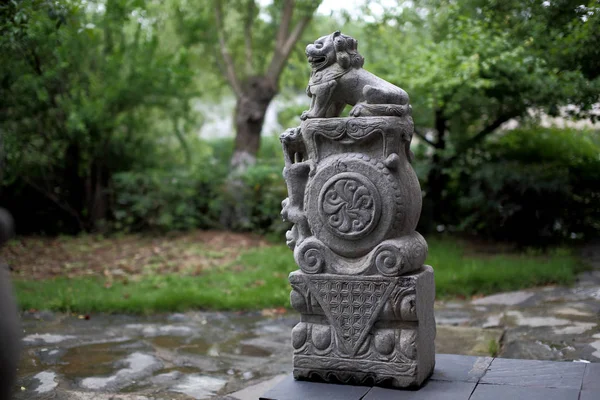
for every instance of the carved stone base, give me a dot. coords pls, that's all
(370, 330)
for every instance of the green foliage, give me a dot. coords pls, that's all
(258, 279)
(262, 189)
(532, 186)
(471, 65)
(479, 61)
(459, 272)
(493, 348)
(185, 197)
(88, 91)
(97, 130)
(266, 189)
(249, 32)
(164, 200)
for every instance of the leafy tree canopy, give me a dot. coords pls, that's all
(471, 65)
(83, 85)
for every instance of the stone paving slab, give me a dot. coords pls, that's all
(466, 378)
(452, 367)
(498, 392)
(291, 389)
(533, 373)
(433, 390)
(255, 391)
(591, 379)
(589, 395)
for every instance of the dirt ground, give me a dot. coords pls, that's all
(125, 255)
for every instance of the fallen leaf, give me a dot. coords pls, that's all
(272, 312)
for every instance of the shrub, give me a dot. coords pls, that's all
(165, 200)
(85, 95)
(531, 186)
(266, 189)
(182, 197)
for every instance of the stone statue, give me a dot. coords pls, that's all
(337, 79)
(364, 295)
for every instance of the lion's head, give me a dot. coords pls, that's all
(333, 48)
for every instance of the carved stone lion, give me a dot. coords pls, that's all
(337, 79)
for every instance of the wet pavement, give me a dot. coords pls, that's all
(203, 355)
(211, 355)
(177, 356)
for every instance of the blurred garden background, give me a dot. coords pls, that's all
(140, 158)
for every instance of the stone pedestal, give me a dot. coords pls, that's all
(369, 330)
(364, 295)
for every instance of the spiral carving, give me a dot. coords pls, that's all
(349, 205)
(389, 261)
(310, 256)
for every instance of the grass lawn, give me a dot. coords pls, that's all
(221, 270)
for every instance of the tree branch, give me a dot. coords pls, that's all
(284, 26)
(180, 136)
(424, 138)
(248, 36)
(229, 64)
(281, 54)
(486, 131)
(65, 206)
(480, 136)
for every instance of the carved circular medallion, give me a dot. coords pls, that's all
(352, 203)
(349, 205)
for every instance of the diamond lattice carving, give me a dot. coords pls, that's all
(351, 306)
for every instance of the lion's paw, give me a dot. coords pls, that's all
(304, 115)
(356, 110)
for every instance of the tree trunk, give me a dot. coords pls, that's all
(437, 179)
(250, 112)
(75, 185)
(88, 195)
(97, 197)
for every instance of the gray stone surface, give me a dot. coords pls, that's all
(364, 295)
(191, 356)
(255, 391)
(291, 389)
(535, 373)
(452, 367)
(591, 378)
(501, 392)
(432, 390)
(337, 79)
(462, 378)
(506, 299)
(589, 395)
